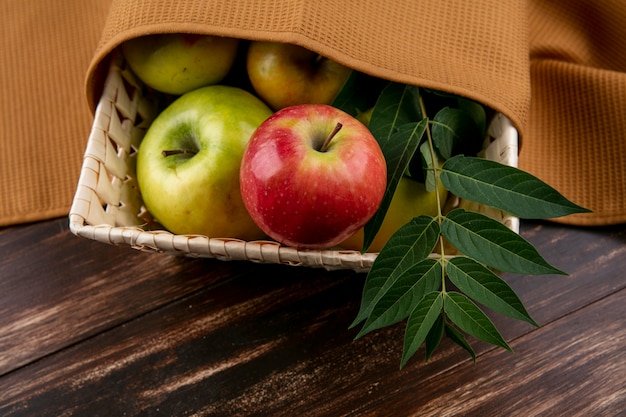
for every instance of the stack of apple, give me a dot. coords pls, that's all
(251, 148)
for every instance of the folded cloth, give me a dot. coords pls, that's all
(575, 138)
(45, 49)
(556, 69)
(474, 47)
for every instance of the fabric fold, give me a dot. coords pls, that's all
(474, 48)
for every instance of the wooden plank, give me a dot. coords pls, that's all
(260, 359)
(181, 334)
(576, 366)
(57, 289)
(595, 259)
(220, 339)
(278, 345)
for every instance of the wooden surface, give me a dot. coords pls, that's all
(89, 329)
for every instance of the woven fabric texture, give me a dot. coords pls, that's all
(45, 49)
(576, 136)
(452, 45)
(556, 69)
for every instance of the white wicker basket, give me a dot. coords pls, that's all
(107, 206)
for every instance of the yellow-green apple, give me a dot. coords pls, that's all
(175, 63)
(411, 199)
(312, 175)
(365, 116)
(188, 162)
(285, 74)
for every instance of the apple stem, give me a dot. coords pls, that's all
(177, 152)
(330, 137)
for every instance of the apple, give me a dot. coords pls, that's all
(365, 116)
(312, 175)
(284, 74)
(411, 199)
(175, 63)
(188, 162)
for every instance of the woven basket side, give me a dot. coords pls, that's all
(107, 192)
(504, 148)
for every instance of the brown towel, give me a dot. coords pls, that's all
(576, 136)
(45, 49)
(557, 71)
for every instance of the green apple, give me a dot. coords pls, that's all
(175, 63)
(285, 75)
(411, 199)
(188, 162)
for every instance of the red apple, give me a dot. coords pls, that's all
(284, 74)
(312, 175)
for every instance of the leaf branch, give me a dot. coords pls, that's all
(407, 281)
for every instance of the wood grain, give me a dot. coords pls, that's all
(89, 329)
(57, 289)
(574, 367)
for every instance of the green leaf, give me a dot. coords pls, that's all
(359, 93)
(486, 288)
(404, 281)
(492, 243)
(409, 245)
(504, 187)
(477, 113)
(434, 337)
(457, 337)
(404, 294)
(397, 125)
(415, 170)
(454, 131)
(398, 150)
(421, 320)
(429, 177)
(465, 314)
(397, 105)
